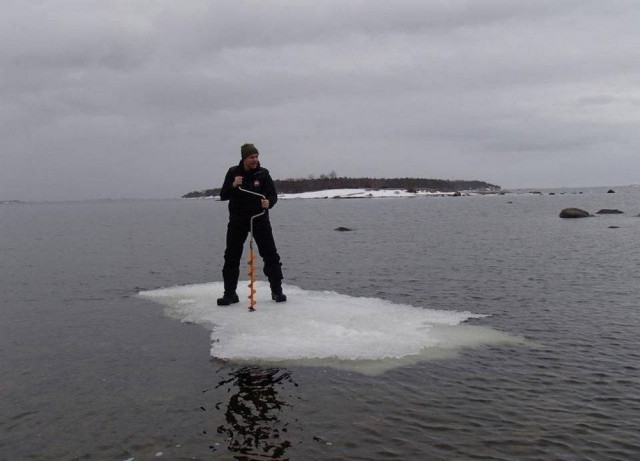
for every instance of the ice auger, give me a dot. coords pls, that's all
(252, 255)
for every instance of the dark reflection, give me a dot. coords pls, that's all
(254, 424)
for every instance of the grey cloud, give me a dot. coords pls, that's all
(158, 95)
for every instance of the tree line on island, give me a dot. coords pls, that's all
(333, 181)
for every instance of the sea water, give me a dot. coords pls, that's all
(481, 327)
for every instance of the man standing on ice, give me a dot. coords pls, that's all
(250, 176)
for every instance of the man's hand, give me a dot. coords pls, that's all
(265, 203)
(237, 181)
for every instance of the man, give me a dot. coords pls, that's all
(249, 175)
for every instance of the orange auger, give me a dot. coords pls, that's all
(252, 256)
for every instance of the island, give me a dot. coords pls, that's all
(365, 187)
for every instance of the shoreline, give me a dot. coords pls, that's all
(366, 193)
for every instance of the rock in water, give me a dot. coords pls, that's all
(342, 229)
(609, 211)
(574, 213)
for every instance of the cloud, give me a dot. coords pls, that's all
(153, 98)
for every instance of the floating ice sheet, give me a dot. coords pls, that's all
(323, 328)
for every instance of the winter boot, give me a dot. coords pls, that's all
(228, 298)
(276, 291)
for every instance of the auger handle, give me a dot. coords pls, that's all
(251, 192)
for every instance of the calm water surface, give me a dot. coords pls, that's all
(90, 371)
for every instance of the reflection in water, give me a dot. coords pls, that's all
(253, 416)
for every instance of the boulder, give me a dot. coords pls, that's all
(609, 211)
(342, 229)
(574, 213)
(611, 191)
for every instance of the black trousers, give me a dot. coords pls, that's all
(237, 232)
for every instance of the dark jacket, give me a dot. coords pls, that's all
(242, 204)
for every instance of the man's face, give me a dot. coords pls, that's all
(250, 162)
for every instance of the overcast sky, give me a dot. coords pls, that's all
(153, 98)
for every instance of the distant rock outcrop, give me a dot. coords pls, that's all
(609, 211)
(611, 191)
(574, 213)
(194, 194)
(342, 229)
(202, 193)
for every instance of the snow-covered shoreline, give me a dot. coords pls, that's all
(367, 193)
(363, 193)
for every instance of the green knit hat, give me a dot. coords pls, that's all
(248, 149)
